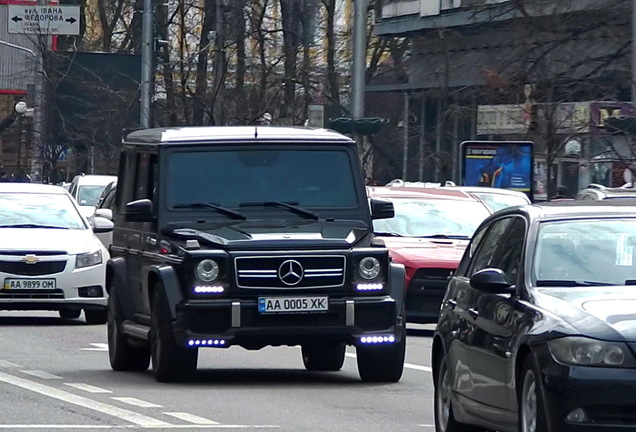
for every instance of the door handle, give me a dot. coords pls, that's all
(473, 312)
(452, 303)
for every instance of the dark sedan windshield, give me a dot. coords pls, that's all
(308, 178)
(433, 217)
(585, 252)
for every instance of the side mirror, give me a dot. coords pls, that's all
(492, 281)
(139, 211)
(102, 225)
(105, 213)
(381, 209)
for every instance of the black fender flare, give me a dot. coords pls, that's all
(397, 280)
(169, 286)
(116, 270)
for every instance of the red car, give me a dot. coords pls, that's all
(429, 233)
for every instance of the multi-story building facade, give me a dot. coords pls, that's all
(502, 69)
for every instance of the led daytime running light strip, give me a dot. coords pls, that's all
(208, 289)
(369, 287)
(377, 339)
(206, 342)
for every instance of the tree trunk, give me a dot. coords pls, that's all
(201, 89)
(332, 74)
(241, 60)
(166, 67)
(291, 18)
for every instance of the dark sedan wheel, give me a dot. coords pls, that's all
(323, 358)
(531, 410)
(444, 418)
(170, 362)
(121, 354)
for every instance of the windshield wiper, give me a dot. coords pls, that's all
(288, 205)
(224, 210)
(387, 234)
(571, 283)
(31, 225)
(445, 236)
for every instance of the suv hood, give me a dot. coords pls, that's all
(46, 239)
(420, 252)
(275, 234)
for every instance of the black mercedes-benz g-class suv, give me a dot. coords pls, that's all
(249, 236)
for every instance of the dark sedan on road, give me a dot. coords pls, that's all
(537, 331)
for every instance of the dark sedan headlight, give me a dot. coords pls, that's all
(582, 351)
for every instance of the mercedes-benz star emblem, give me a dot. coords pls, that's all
(290, 272)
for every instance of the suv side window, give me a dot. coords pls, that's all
(488, 245)
(125, 184)
(141, 180)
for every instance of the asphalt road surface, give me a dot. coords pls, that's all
(55, 375)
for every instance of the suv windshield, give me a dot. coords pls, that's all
(433, 217)
(581, 252)
(308, 178)
(30, 210)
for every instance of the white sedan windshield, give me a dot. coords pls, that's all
(433, 217)
(585, 252)
(31, 210)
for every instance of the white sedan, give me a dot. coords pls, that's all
(50, 258)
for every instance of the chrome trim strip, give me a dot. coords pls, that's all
(236, 314)
(350, 313)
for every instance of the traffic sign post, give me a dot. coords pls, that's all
(44, 20)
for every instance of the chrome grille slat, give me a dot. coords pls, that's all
(319, 271)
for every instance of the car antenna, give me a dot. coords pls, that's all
(255, 132)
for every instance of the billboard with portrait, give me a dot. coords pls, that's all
(500, 164)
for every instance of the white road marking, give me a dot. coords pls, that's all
(123, 414)
(41, 374)
(406, 365)
(87, 388)
(136, 427)
(6, 364)
(97, 347)
(192, 418)
(136, 402)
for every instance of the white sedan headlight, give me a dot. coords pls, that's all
(582, 351)
(88, 259)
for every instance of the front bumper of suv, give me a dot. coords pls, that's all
(226, 322)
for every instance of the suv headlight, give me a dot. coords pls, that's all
(88, 259)
(207, 270)
(369, 268)
(582, 351)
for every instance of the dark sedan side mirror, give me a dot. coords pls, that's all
(381, 209)
(491, 280)
(139, 211)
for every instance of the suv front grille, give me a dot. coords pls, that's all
(41, 268)
(293, 271)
